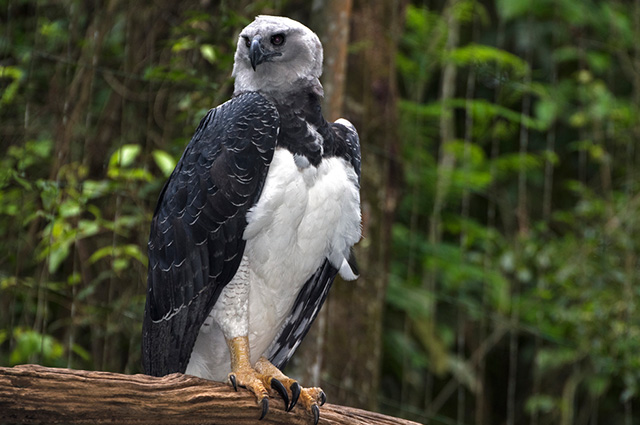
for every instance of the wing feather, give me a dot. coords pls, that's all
(305, 309)
(196, 243)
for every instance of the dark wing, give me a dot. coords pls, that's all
(305, 309)
(343, 142)
(346, 145)
(196, 243)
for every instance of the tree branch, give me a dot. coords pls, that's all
(35, 394)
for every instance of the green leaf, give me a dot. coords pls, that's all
(598, 61)
(208, 52)
(42, 148)
(10, 90)
(74, 279)
(183, 43)
(8, 282)
(164, 161)
(483, 54)
(486, 109)
(30, 343)
(57, 256)
(101, 253)
(134, 251)
(92, 189)
(70, 208)
(546, 112)
(125, 156)
(81, 352)
(120, 264)
(88, 228)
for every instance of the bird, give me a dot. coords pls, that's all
(259, 216)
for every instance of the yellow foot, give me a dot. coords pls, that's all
(310, 398)
(273, 378)
(265, 378)
(247, 378)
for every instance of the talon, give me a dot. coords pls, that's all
(265, 407)
(277, 385)
(316, 414)
(323, 398)
(234, 383)
(295, 393)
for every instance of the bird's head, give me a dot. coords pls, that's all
(275, 55)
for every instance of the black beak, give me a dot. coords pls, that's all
(257, 54)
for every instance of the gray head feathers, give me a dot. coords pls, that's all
(276, 55)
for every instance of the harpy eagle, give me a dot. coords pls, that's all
(258, 217)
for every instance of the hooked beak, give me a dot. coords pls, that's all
(257, 54)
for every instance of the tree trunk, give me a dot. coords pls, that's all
(331, 18)
(37, 394)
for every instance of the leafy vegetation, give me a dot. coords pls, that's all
(534, 252)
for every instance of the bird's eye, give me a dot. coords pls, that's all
(247, 42)
(277, 39)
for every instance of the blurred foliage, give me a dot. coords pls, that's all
(535, 245)
(554, 103)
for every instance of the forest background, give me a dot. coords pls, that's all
(501, 177)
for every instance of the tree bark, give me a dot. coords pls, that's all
(331, 18)
(37, 394)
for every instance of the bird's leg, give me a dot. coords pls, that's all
(310, 398)
(242, 374)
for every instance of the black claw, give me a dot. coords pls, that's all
(323, 398)
(265, 407)
(277, 385)
(232, 378)
(295, 393)
(316, 414)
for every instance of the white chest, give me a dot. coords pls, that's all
(304, 215)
